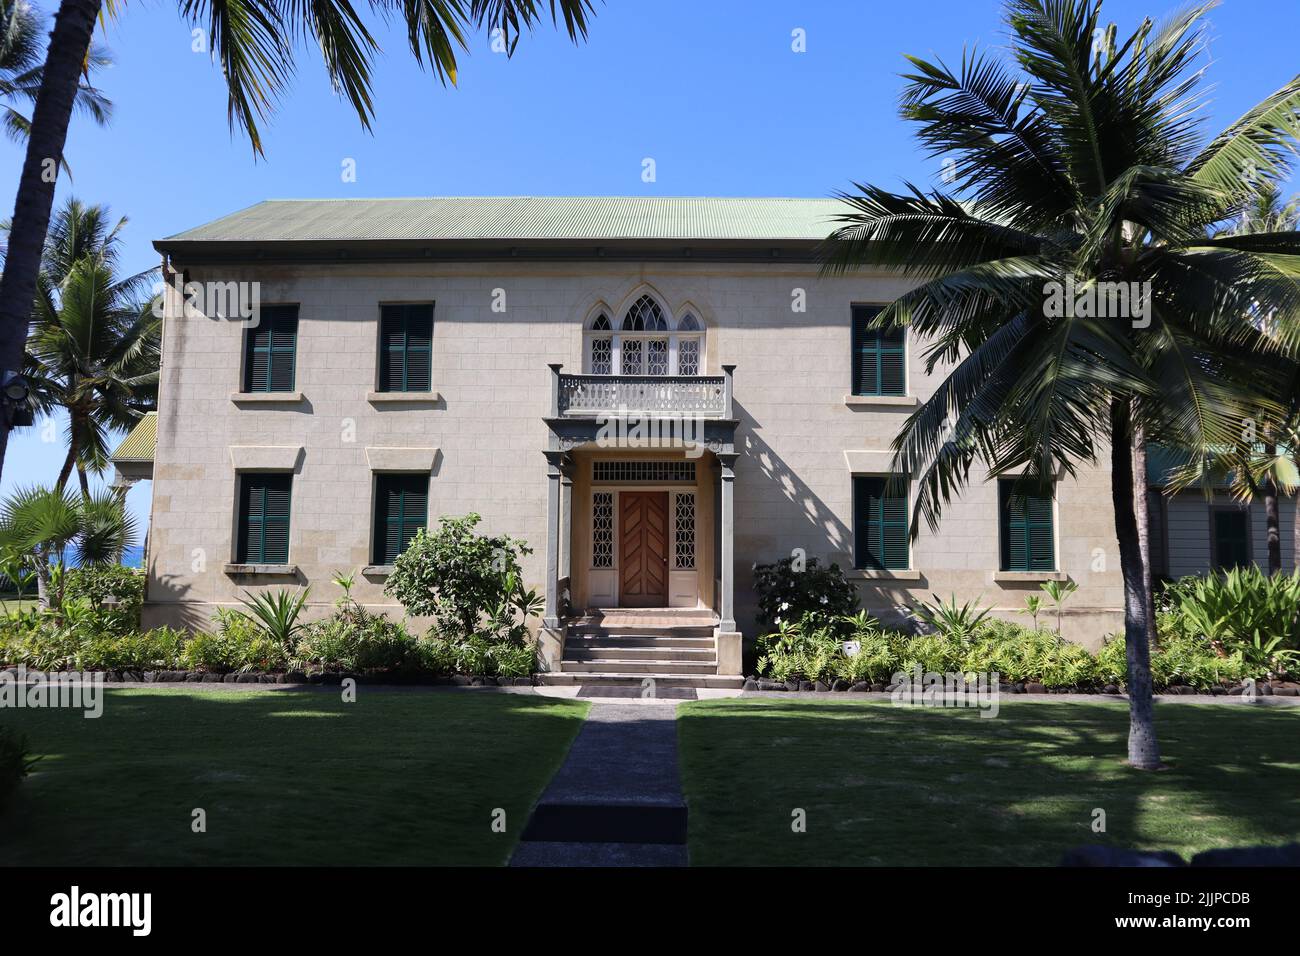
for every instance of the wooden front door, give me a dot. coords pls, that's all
(643, 549)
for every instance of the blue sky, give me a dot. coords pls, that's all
(712, 91)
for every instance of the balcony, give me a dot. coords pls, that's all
(595, 396)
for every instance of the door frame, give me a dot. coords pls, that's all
(617, 490)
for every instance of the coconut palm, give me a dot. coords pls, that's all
(1266, 469)
(22, 32)
(43, 525)
(94, 343)
(1083, 161)
(255, 42)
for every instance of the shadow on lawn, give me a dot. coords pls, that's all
(284, 777)
(889, 785)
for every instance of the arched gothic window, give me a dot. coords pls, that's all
(645, 342)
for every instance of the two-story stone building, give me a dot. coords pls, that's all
(420, 357)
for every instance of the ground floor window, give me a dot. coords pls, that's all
(880, 524)
(264, 517)
(1230, 537)
(1026, 529)
(401, 509)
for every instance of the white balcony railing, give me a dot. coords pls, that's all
(591, 395)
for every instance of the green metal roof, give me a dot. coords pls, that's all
(138, 445)
(523, 218)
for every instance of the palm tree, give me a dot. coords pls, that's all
(1083, 162)
(43, 524)
(255, 42)
(1263, 471)
(94, 342)
(22, 29)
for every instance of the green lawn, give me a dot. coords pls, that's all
(399, 777)
(884, 785)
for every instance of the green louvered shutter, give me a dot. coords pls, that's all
(1028, 537)
(405, 348)
(878, 356)
(264, 501)
(1231, 538)
(880, 525)
(270, 350)
(401, 509)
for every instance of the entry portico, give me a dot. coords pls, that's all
(640, 509)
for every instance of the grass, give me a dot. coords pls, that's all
(12, 606)
(399, 777)
(882, 785)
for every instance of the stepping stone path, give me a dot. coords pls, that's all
(617, 799)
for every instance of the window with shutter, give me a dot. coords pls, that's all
(1026, 529)
(401, 509)
(406, 348)
(880, 532)
(879, 356)
(1231, 538)
(264, 518)
(270, 350)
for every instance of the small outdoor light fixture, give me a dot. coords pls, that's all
(15, 387)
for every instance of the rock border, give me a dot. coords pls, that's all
(297, 678)
(1272, 688)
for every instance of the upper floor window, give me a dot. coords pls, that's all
(645, 342)
(270, 350)
(879, 356)
(405, 348)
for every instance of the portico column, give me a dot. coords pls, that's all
(551, 613)
(727, 624)
(566, 524)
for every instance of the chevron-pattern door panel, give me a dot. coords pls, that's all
(643, 549)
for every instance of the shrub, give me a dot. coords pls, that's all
(276, 613)
(237, 645)
(355, 640)
(957, 623)
(15, 763)
(808, 649)
(1239, 608)
(930, 652)
(114, 592)
(159, 649)
(455, 575)
(787, 590)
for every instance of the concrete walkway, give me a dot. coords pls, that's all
(617, 800)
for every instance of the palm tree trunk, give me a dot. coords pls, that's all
(42, 579)
(69, 41)
(1142, 515)
(66, 471)
(1271, 520)
(84, 482)
(1143, 748)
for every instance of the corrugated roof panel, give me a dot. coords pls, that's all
(138, 445)
(524, 218)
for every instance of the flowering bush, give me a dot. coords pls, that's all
(793, 587)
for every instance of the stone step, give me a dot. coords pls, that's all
(638, 640)
(640, 630)
(637, 667)
(713, 681)
(703, 655)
